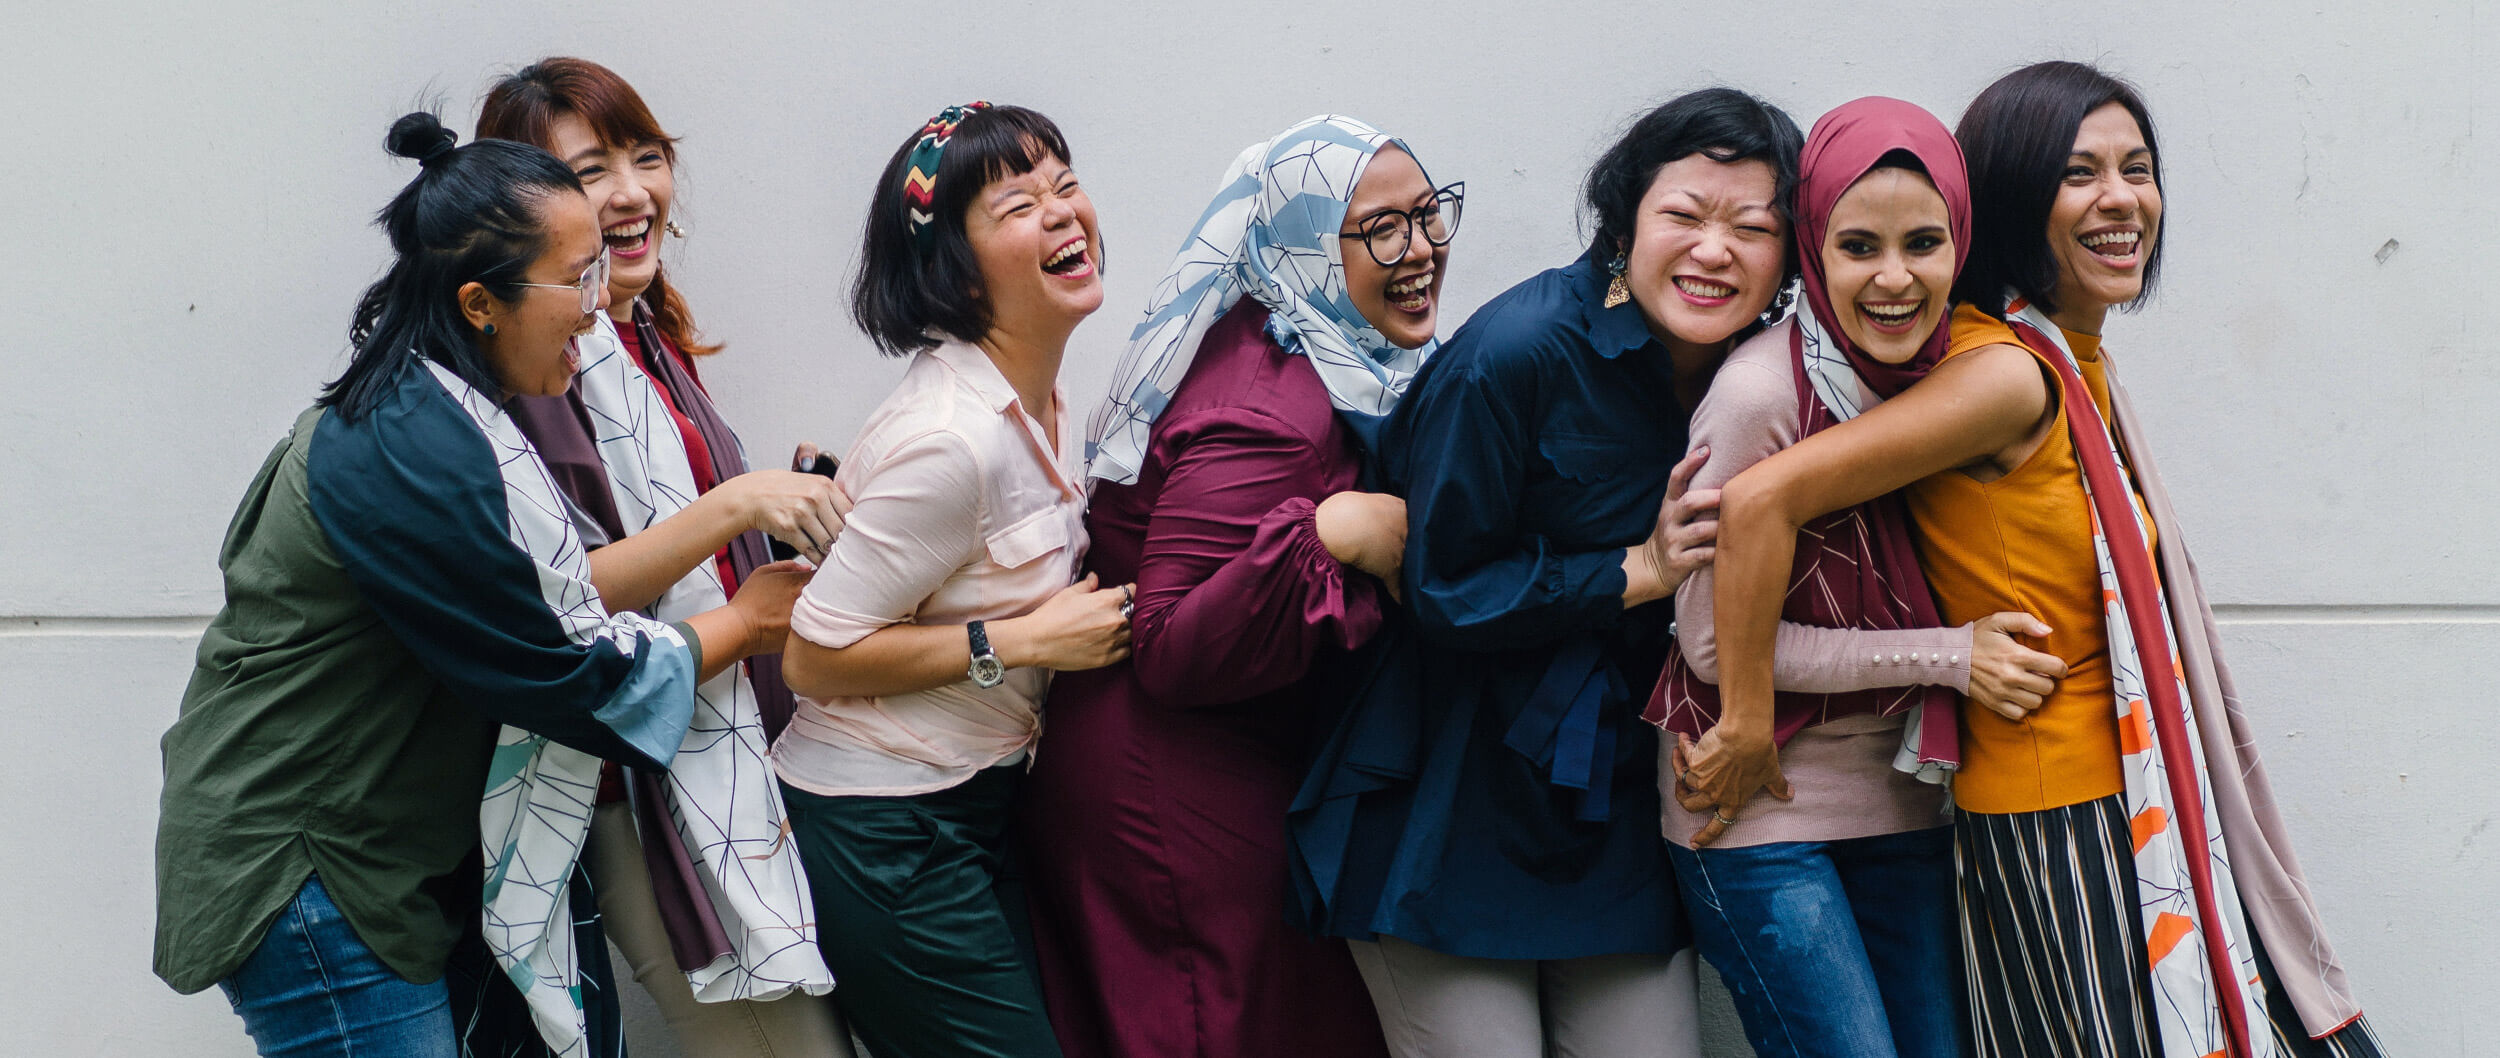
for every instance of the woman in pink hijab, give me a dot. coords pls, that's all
(1829, 911)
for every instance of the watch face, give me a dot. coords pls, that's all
(988, 671)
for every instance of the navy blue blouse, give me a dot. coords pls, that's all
(1491, 791)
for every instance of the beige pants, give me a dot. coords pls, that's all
(795, 1026)
(1605, 1006)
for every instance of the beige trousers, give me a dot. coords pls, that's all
(795, 1026)
(1604, 1006)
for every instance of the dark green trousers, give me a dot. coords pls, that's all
(919, 922)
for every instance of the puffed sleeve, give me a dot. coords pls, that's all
(412, 501)
(1474, 580)
(1236, 596)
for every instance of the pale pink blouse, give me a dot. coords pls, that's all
(962, 511)
(1840, 771)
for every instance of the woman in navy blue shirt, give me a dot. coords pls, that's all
(1483, 823)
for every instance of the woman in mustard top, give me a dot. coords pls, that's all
(2102, 914)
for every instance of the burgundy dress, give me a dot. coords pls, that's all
(1154, 817)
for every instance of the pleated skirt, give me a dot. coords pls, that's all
(2055, 949)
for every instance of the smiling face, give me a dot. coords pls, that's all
(633, 187)
(1035, 239)
(1708, 249)
(1401, 301)
(1887, 261)
(532, 347)
(2104, 221)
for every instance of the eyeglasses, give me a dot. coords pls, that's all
(594, 279)
(1387, 235)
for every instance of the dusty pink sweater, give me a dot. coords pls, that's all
(1841, 771)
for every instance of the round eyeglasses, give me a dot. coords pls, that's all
(1387, 236)
(594, 279)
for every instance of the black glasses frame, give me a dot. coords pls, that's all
(1449, 201)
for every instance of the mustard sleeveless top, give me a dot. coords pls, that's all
(2024, 542)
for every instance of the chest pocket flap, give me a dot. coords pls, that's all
(1029, 538)
(1586, 460)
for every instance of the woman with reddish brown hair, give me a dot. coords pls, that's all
(710, 908)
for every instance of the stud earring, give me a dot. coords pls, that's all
(673, 229)
(490, 330)
(1619, 291)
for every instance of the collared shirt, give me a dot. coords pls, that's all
(1532, 450)
(963, 511)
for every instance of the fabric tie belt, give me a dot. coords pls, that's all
(1567, 729)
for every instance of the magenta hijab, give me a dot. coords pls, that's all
(1845, 145)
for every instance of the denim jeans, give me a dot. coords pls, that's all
(313, 989)
(1834, 949)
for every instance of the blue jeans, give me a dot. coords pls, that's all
(313, 989)
(1834, 949)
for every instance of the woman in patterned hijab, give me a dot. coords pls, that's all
(1228, 460)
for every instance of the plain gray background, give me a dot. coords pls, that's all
(188, 189)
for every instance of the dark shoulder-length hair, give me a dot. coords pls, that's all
(1722, 123)
(525, 105)
(473, 214)
(2016, 138)
(905, 291)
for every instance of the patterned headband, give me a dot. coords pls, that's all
(921, 169)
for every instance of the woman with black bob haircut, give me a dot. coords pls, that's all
(2127, 887)
(1483, 824)
(401, 580)
(921, 650)
(2028, 120)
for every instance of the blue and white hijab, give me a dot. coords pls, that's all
(1271, 233)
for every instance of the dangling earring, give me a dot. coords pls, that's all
(490, 330)
(1617, 292)
(673, 229)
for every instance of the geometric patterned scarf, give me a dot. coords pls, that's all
(719, 791)
(535, 810)
(1270, 234)
(2206, 993)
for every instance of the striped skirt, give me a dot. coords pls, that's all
(2055, 949)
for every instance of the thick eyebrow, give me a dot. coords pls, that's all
(2130, 155)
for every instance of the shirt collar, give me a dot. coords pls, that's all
(1612, 332)
(975, 368)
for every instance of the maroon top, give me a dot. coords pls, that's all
(1154, 819)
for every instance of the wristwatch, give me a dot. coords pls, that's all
(986, 670)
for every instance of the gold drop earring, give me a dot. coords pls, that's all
(1619, 291)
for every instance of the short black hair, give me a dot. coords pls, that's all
(2016, 138)
(1723, 123)
(906, 290)
(473, 214)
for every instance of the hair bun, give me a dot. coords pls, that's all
(420, 136)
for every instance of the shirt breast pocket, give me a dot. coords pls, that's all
(1029, 538)
(1589, 489)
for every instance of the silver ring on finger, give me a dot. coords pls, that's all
(1721, 819)
(1128, 600)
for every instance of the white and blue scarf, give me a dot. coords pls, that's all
(1270, 233)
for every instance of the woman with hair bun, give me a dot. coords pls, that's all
(401, 581)
(680, 525)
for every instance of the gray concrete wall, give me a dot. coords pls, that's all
(188, 188)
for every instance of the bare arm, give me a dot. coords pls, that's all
(804, 510)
